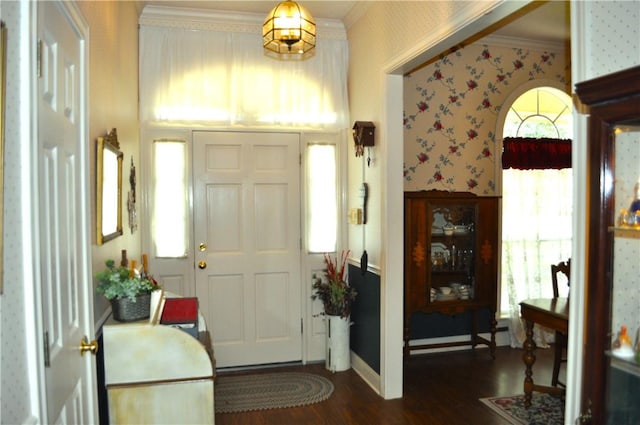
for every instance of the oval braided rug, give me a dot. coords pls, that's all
(245, 393)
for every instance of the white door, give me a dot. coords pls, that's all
(64, 245)
(247, 236)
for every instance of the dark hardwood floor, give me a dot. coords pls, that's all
(441, 388)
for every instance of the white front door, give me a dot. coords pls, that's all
(247, 236)
(63, 197)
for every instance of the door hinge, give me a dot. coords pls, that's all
(301, 326)
(39, 59)
(47, 360)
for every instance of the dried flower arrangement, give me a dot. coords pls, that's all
(333, 290)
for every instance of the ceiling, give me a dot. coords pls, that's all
(543, 21)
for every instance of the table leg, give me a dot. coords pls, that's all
(494, 325)
(529, 359)
(405, 348)
(474, 328)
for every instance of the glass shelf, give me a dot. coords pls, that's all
(625, 232)
(631, 365)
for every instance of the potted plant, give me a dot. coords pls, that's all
(337, 297)
(128, 291)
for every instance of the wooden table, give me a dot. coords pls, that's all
(552, 313)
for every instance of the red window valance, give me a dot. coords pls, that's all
(526, 153)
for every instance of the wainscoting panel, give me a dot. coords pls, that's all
(365, 315)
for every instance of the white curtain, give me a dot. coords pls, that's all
(209, 77)
(536, 232)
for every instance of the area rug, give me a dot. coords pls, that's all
(545, 409)
(245, 393)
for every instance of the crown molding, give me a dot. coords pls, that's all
(217, 20)
(525, 43)
(357, 12)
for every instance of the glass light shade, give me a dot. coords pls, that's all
(289, 29)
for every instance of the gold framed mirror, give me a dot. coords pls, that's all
(108, 187)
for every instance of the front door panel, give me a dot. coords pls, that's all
(247, 235)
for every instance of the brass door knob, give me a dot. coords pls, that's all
(202, 265)
(85, 346)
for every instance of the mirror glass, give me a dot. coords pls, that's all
(108, 188)
(623, 375)
(626, 173)
(626, 249)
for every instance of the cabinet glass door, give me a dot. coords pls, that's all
(452, 251)
(623, 368)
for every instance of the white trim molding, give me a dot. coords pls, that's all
(365, 371)
(217, 20)
(525, 43)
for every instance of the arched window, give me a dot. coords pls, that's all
(542, 112)
(536, 197)
(537, 131)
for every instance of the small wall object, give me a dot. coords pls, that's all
(131, 199)
(363, 135)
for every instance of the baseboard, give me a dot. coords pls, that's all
(502, 339)
(367, 374)
(372, 378)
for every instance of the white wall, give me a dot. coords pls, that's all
(112, 103)
(113, 99)
(14, 372)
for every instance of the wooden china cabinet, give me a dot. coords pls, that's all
(451, 241)
(611, 381)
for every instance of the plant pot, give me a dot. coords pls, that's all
(125, 310)
(338, 352)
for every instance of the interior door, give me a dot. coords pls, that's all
(247, 236)
(64, 247)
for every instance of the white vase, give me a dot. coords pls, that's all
(338, 353)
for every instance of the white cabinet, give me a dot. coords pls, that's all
(156, 374)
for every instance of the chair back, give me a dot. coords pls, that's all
(563, 267)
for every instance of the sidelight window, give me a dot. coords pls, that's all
(322, 198)
(169, 216)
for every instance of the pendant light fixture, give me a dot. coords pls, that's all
(289, 29)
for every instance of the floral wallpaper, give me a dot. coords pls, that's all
(450, 111)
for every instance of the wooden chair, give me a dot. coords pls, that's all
(563, 267)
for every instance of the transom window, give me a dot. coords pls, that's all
(540, 112)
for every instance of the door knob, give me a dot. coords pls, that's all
(85, 346)
(202, 265)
